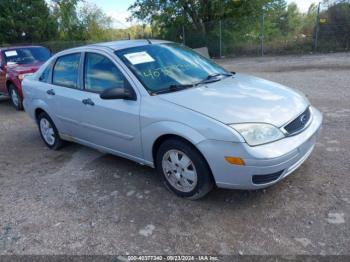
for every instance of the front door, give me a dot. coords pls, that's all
(112, 124)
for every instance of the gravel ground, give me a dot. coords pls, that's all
(79, 201)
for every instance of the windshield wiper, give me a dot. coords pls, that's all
(218, 74)
(173, 88)
(209, 79)
(214, 78)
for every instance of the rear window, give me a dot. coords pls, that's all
(26, 55)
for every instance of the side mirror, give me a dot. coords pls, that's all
(118, 93)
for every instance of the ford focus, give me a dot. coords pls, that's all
(163, 105)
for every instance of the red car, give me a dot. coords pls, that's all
(15, 64)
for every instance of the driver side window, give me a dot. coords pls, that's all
(101, 74)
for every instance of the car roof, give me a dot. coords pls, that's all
(115, 45)
(21, 46)
(122, 44)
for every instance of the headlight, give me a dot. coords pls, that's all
(258, 134)
(22, 76)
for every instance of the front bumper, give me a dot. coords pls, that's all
(279, 158)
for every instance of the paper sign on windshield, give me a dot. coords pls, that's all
(139, 58)
(11, 53)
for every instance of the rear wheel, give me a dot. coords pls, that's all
(183, 169)
(16, 99)
(48, 132)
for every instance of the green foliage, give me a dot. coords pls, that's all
(309, 20)
(132, 32)
(66, 15)
(26, 20)
(197, 13)
(63, 20)
(245, 23)
(85, 23)
(95, 25)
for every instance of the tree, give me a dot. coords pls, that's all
(95, 23)
(309, 20)
(26, 20)
(194, 12)
(293, 20)
(66, 15)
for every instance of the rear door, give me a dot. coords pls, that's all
(64, 94)
(112, 124)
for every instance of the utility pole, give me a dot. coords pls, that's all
(222, 15)
(143, 31)
(262, 32)
(220, 33)
(317, 28)
(183, 35)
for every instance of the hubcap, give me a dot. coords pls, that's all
(14, 97)
(179, 170)
(47, 131)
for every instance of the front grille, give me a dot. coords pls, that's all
(264, 179)
(299, 123)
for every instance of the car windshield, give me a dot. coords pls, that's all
(162, 66)
(26, 55)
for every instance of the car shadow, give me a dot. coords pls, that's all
(109, 174)
(6, 105)
(4, 100)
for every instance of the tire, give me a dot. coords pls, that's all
(49, 132)
(16, 99)
(183, 169)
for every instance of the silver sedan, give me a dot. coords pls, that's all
(163, 105)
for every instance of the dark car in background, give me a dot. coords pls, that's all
(15, 64)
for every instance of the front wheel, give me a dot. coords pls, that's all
(49, 132)
(16, 99)
(183, 169)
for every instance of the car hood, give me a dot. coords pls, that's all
(242, 99)
(22, 69)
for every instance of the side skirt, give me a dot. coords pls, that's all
(107, 150)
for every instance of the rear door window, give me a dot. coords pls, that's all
(66, 71)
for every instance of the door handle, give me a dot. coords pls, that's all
(50, 92)
(88, 101)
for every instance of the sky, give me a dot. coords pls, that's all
(118, 9)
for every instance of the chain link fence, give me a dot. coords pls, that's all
(333, 27)
(325, 28)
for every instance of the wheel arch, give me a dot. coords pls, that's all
(160, 140)
(157, 133)
(9, 82)
(165, 137)
(36, 106)
(38, 111)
